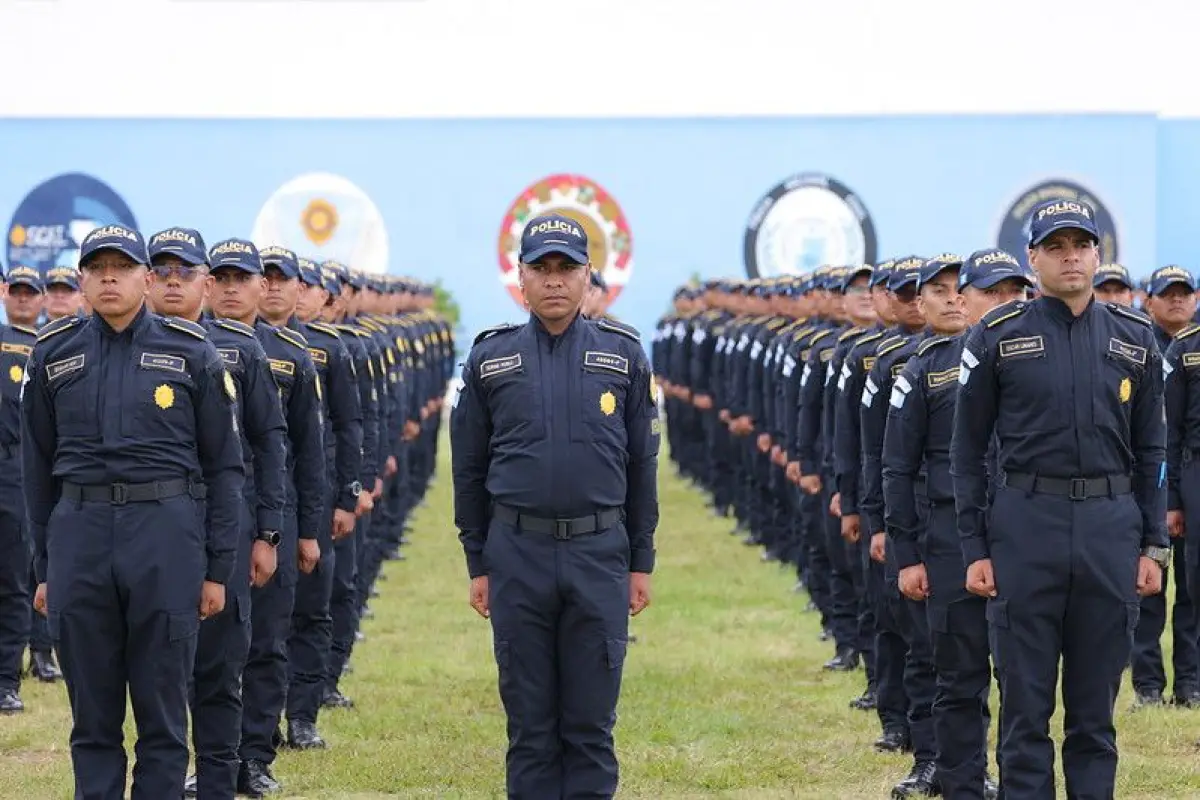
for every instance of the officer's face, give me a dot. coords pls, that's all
(235, 293)
(1173, 307)
(1066, 262)
(942, 305)
(591, 300)
(858, 302)
(980, 301)
(1114, 292)
(279, 298)
(62, 300)
(554, 286)
(178, 289)
(312, 300)
(883, 305)
(114, 283)
(23, 304)
(905, 307)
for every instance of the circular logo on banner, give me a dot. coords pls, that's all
(1014, 228)
(610, 242)
(806, 221)
(323, 216)
(53, 219)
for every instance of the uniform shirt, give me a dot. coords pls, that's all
(368, 398)
(1068, 397)
(150, 403)
(817, 371)
(920, 423)
(559, 427)
(847, 438)
(16, 343)
(1181, 366)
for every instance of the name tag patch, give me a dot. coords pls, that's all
(1023, 346)
(282, 367)
(898, 368)
(160, 361)
(936, 380)
(228, 355)
(608, 361)
(1132, 352)
(1191, 360)
(64, 367)
(20, 349)
(498, 366)
(318, 356)
(868, 363)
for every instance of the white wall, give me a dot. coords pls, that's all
(502, 58)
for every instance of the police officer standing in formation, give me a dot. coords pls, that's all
(22, 301)
(132, 478)
(63, 295)
(1112, 284)
(1073, 390)
(558, 558)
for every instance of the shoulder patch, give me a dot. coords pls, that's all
(847, 334)
(292, 337)
(57, 326)
(1004, 312)
(619, 327)
(931, 343)
(235, 326)
(185, 326)
(891, 345)
(1190, 330)
(1130, 313)
(870, 337)
(353, 331)
(23, 329)
(492, 331)
(324, 328)
(817, 336)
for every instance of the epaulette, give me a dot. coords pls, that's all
(870, 337)
(486, 332)
(932, 342)
(1129, 313)
(292, 337)
(370, 324)
(800, 334)
(1006, 311)
(324, 328)
(624, 330)
(1190, 330)
(185, 326)
(57, 326)
(849, 333)
(776, 323)
(23, 329)
(712, 313)
(891, 345)
(351, 330)
(235, 326)
(818, 335)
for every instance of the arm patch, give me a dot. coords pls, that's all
(185, 326)
(235, 326)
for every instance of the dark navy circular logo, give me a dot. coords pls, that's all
(53, 219)
(1014, 228)
(804, 222)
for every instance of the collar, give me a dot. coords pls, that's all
(536, 324)
(138, 322)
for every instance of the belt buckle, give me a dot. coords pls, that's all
(1078, 489)
(119, 494)
(562, 529)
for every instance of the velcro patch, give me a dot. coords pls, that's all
(898, 368)
(1022, 346)
(1191, 359)
(498, 366)
(1132, 352)
(868, 363)
(64, 367)
(282, 367)
(229, 355)
(11, 347)
(608, 361)
(936, 380)
(160, 361)
(827, 354)
(318, 356)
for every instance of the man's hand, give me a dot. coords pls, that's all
(1175, 524)
(389, 467)
(914, 583)
(366, 504)
(308, 555)
(212, 599)
(981, 580)
(744, 424)
(702, 401)
(263, 562)
(377, 490)
(411, 430)
(792, 470)
(851, 528)
(723, 415)
(879, 547)
(479, 596)
(764, 442)
(811, 484)
(343, 523)
(639, 592)
(1149, 578)
(39, 599)
(835, 505)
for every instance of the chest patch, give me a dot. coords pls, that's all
(66, 366)
(1022, 346)
(608, 361)
(1131, 352)
(160, 361)
(498, 366)
(229, 355)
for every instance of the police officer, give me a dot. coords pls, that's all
(1112, 284)
(128, 423)
(63, 297)
(1073, 391)
(558, 558)
(23, 300)
(180, 265)
(595, 298)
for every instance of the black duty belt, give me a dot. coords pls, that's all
(1072, 488)
(558, 528)
(121, 493)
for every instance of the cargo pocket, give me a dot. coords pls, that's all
(615, 651)
(1133, 614)
(181, 627)
(509, 695)
(998, 632)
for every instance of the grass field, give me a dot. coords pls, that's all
(724, 695)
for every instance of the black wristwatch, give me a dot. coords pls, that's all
(270, 537)
(355, 489)
(1159, 555)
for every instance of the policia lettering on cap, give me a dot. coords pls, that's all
(554, 436)
(1073, 390)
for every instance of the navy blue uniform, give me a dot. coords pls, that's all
(1181, 365)
(123, 434)
(1077, 404)
(224, 640)
(555, 444)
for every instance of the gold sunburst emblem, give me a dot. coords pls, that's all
(230, 388)
(1126, 390)
(608, 403)
(164, 396)
(319, 220)
(16, 374)
(653, 390)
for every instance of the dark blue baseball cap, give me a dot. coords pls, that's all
(1057, 215)
(330, 280)
(357, 281)
(905, 271)
(114, 237)
(554, 233)
(597, 279)
(882, 273)
(1112, 272)
(310, 273)
(854, 272)
(339, 269)
(983, 269)
(932, 267)
(184, 243)
(281, 259)
(236, 254)
(21, 275)
(62, 276)
(1170, 275)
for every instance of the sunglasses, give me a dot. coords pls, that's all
(185, 272)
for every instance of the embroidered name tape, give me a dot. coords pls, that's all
(318, 356)
(160, 361)
(1021, 347)
(1132, 352)
(282, 367)
(1191, 360)
(228, 355)
(936, 380)
(498, 366)
(64, 367)
(608, 361)
(20, 349)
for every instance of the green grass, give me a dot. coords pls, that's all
(724, 694)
